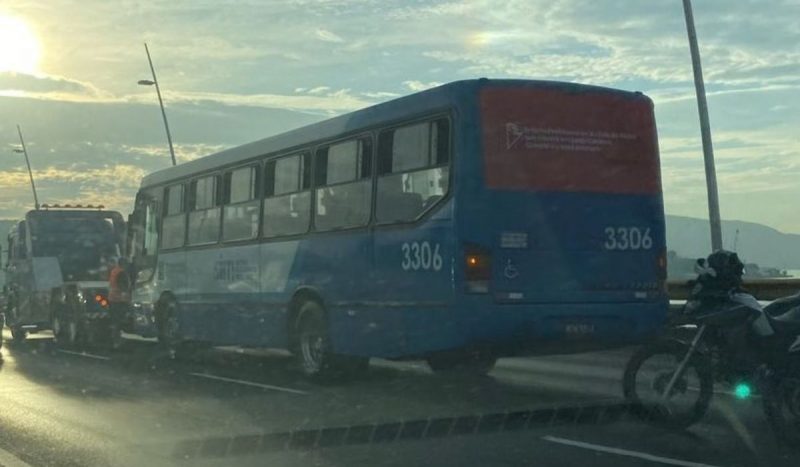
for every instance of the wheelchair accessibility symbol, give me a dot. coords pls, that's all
(511, 271)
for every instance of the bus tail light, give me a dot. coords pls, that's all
(478, 268)
(661, 263)
(661, 272)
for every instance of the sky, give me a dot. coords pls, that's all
(236, 71)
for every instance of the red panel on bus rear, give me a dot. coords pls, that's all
(551, 139)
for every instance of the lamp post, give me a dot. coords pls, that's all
(24, 151)
(147, 82)
(705, 131)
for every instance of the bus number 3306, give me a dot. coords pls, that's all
(421, 256)
(627, 238)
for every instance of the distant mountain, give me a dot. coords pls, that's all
(757, 243)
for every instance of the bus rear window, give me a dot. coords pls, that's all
(551, 139)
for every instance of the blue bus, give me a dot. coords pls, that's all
(476, 220)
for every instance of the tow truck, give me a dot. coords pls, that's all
(57, 273)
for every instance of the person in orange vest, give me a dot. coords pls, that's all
(119, 299)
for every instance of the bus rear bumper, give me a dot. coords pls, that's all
(546, 329)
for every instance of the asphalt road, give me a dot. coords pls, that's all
(233, 407)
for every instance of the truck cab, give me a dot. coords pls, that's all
(57, 269)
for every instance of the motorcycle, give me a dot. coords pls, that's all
(723, 335)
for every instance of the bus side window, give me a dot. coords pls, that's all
(413, 170)
(240, 216)
(287, 195)
(344, 184)
(173, 228)
(204, 211)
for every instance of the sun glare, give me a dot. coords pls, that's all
(19, 47)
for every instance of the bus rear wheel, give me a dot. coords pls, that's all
(313, 347)
(464, 363)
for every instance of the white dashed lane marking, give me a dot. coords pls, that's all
(624, 452)
(84, 354)
(250, 383)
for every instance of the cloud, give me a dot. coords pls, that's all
(327, 36)
(417, 86)
(318, 90)
(317, 100)
(41, 84)
(225, 74)
(183, 152)
(112, 186)
(381, 95)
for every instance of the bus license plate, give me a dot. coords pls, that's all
(579, 329)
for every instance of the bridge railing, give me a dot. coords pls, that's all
(762, 289)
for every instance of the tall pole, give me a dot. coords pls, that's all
(28, 163)
(705, 131)
(161, 103)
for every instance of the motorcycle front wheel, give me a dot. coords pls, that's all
(781, 401)
(650, 371)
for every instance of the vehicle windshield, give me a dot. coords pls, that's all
(83, 245)
(383, 233)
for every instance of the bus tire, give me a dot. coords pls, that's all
(313, 347)
(462, 363)
(167, 326)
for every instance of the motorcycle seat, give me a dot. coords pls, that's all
(787, 322)
(782, 305)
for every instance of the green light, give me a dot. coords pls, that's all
(742, 391)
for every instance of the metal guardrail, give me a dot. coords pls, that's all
(762, 289)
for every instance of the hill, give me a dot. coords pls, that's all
(757, 243)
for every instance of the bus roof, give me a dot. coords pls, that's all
(438, 98)
(72, 212)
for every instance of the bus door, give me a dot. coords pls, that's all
(171, 271)
(143, 243)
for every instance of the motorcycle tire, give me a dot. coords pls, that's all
(660, 413)
(781, 404)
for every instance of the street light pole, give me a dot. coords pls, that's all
(705, 131)
(28, 163)
(160, 102)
